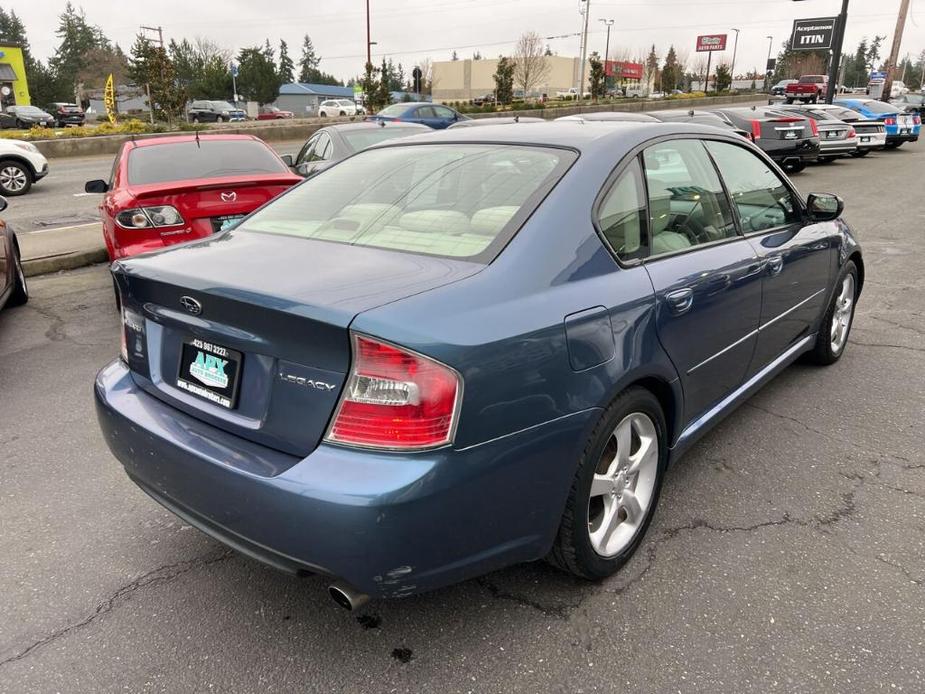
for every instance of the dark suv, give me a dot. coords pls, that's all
(215, 112)
(66, 114)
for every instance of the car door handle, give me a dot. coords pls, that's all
(775, 264)
(680, 300)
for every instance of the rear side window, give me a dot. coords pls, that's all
(621, 216)
(181, 161)
(458, 201)
(761, 198)
(361, 139)
(687, 203)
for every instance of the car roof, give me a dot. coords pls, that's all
(503, 120)
(174, 139)
(609, 116)
(584, 136)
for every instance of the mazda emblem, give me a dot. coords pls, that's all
(191, 305)
(230, 196)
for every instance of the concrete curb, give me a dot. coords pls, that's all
(64, 261)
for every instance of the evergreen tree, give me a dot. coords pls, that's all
(650, 67)
(371, 85)
(597, 76)
(504, 80)
(383, 95)
(258, 78)
(477, 56)
(671, 72)
(150, 65)
(722, 78)
(455, 57)
(76, 38)
(286, 66)
(308, 63)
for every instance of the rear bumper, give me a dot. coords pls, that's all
(837, 147)
(910, 137)
(781, 150)
(390, 525)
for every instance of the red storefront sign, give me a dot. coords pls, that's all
(711, 42)
(622, 69)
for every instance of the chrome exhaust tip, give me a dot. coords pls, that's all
(347, 597)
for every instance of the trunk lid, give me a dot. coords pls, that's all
(277, 309)
(785, 128)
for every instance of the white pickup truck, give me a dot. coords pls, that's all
(572, 92)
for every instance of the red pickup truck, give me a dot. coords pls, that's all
(809, 88)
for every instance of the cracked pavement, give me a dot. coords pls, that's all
(787, 554)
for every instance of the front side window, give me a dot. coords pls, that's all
(687, 203)
(452, 200)
(621, 216)
(761, 198)
(322, 148)
(426, 112)
(306, 150)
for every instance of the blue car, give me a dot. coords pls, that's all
(901, 127)
(458, 351)
(434, 116)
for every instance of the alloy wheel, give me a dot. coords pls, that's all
(841, 317)
(13, 179)
(624, 485)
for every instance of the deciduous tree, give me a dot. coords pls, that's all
(531, 68)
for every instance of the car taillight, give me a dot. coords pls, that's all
(133, 328)
(889, 120)
(851, 133)
(396, 399)
(756, 130)
(146, 217)
(916, 119)
(814, 127)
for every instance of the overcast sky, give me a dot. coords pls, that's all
(408, 31)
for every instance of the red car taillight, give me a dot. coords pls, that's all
(396, 399)
(916, 119)
(814, 127)
(851, 133)
(756, 130)
(889, 120)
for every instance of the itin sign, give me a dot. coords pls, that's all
(711, 42)
(813, 34)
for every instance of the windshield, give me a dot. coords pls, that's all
(456, 201)
(223, 106)
(182, 161)
(361, 139)
(393, 110)
(344, 102)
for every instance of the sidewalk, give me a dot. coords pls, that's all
(63, 248)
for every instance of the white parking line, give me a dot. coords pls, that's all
(73, 226)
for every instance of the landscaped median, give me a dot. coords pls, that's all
(107, 138)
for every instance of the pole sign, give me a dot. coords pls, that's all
(109, 99)
(622, 69)
(711, 42)
(813, 34)
(772, 64)
(416, 77)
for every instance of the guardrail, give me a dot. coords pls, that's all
(303, 128)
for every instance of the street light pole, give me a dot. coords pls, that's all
(369, 45)
(767, 72)
(894, 51)
(735, 49)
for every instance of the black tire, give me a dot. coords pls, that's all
(794, 168)
(894, 145)
(20, 293)
(572, 550)
(20, 125)
(789, 101)
(15, 178)
(196, 120)
(343, 113)
(826, 160)
(219, 119)
(860, 153)
(322, 114)
(823, 352)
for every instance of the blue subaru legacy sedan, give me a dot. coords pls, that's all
(463, 350)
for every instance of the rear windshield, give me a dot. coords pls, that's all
(393, 110)
(361, 139)
(182, 161)
(455, 201)
(878, 107)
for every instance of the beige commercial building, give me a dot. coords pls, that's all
(461, 80)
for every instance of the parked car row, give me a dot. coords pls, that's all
(459, 350)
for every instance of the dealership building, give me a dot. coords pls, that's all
(462, 80)
(14, 89)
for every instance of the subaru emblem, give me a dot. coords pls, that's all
(230, 196)
(191, 305)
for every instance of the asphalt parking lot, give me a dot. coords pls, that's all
(787, 554)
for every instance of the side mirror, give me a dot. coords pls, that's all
(824, 207)
(97, 186)
(287, 159)
(3, 203)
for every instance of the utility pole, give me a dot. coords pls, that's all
(369, 45)
(767, 72)
(160, 40)
(584, 49)
(837, 42)
(735, 49)
(608, 23)
(894, 51)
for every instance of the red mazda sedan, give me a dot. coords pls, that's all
(173, 189)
